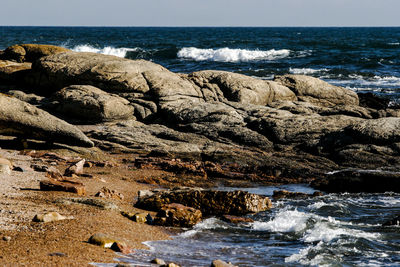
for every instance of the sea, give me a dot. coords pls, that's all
(331, 230)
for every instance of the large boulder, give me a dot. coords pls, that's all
(220, 85)
(317, 91)
(109, 73)
(31, 52)
(209, 202)
(88, 103)
(20, 119)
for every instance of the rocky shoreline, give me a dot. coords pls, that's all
(202, 129)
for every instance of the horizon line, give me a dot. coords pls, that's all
(220, 26)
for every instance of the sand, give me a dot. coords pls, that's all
(64, 243)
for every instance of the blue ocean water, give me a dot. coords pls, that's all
(333, 230)
(362, 59)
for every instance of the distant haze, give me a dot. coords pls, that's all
(200, 12)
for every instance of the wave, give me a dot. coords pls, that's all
(231, 55)
(306, 71)
(108, 50)
(284, 221)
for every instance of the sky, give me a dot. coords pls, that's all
(200, 12)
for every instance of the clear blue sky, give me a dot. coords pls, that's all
(200, 12)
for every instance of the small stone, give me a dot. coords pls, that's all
(108, 193)
(171, 264)
(102, 240)
(57, 254)
(220, 263)
(18, 169)
(39, 168)
(121, 247)
(50, 217)
(137, 217)
(76, 168)
(158, 261)
(54, 174)
(63, 185)
(7, 238)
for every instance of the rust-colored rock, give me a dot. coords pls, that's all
(63, 185)
(121, 247)
(209, 202)
(236, 219)
(177, 215)
(31, 52)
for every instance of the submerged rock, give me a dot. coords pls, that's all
(278, 194)
(393, 222)
(209, 202)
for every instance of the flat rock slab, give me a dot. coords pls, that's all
(63, 185)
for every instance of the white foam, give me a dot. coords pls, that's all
(108, 50)
(305, 71)
(393, 43)
(327, 231)
(284, 221)
(231, 55)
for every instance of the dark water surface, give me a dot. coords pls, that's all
(333, 230)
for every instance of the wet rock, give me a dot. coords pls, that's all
(279, 194)
(393, 222)
(76, 168)
(316, 91)
(177, 215)
(121, 247)
(158, 261)
(102, 240)
(354, 181)
(88, 103)
(220, 263)
(236, 219)
(209, 202)
(64, 185)
(20, 119)
(138, 217)
(50, 217)
(31, 52)
(108, 193)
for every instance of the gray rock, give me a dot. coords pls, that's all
(20, 119)
(314, 90)
(88, 103)
(220, 85)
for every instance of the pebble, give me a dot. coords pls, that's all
(158, 261)
(7, 238)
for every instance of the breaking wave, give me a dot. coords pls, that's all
(231, 55)
(108, 50)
